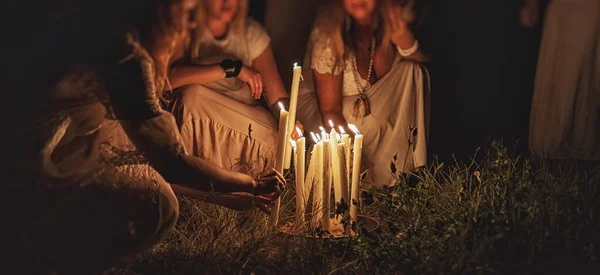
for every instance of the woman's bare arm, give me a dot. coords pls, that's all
(154, 132)
(329, 96)
(275, 91)
(182, 75)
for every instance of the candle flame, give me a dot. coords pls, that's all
(339, 137)
(318, 137)
(331, 124)
(322, 129)
(295, 64)
(299, 132)
(293, 142)
(354, 129)
(342, 130)
(281, 106)
(314, 137)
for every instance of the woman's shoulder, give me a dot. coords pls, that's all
(257, 38)
(255, 30)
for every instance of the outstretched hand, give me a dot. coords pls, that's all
(270, 184)
(245, 201)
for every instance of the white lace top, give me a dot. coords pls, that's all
(319, 57)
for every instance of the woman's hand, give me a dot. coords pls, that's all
(245, 201)
(295, 134)
(270, 184)
(253, 78)
(400, 17)
(529, 14)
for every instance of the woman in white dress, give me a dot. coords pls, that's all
(362, 68)
(221, 79)
(565, 113)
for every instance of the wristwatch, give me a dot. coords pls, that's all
(232, 68)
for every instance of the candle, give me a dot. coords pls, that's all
(326, 182)
(310, 174)
(356, 167)
(336, 168)
(300, 150)
(279, 161)
(347, 147)
(293, 106)
(317, 158)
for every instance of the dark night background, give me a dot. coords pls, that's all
(482, 73)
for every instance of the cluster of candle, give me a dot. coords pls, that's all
(329, 167)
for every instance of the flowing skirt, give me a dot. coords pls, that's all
(396, 133)
(565, 113)
(224, 126)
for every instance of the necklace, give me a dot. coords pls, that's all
(362, 106)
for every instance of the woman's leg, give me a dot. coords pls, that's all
(224, 131)
(396, 133)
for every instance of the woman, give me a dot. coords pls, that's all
(218, 107)
(73, 203)
(361, 70)
(565, 112)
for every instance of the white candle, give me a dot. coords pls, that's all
(336, 168)
(347, 150)
(356, 167)
(317, 205)
(326, 183)
(299, 168)
(279, 161)
(293, 106)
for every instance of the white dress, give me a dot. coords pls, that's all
(565, 113)
(395, 134)
(220, 121)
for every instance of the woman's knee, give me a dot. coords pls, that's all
(168, 209)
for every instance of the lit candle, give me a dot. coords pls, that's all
(279, 161)
(356, 167)
(310, 174)
(300, 150)
(293, 106)
(326, 182)
(347, 147)
(336, 167)
(317, 158)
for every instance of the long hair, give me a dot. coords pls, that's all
(159, 27)
(335, 24)
(201, 17)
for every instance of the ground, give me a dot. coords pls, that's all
(501, 214)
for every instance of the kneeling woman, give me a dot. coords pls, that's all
(219, 84)
(362, 70)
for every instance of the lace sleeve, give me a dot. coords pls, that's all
(322, 58)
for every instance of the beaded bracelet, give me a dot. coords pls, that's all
(410, 50)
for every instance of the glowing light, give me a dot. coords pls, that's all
(354, 129)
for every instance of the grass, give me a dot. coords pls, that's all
(500, 214)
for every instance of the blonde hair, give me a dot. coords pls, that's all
(237, 25)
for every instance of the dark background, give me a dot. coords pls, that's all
(482, 72)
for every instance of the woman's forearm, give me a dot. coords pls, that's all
(186, 171)
(159, 139)
(195, 74)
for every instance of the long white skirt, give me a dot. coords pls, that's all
(396, 133)
(225, 128)
(565, 113)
